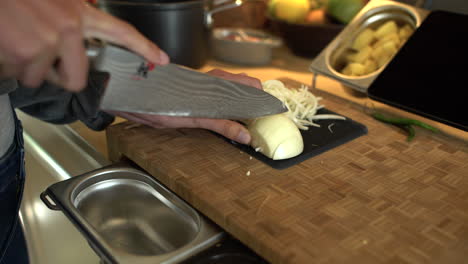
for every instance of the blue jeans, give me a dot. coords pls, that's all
(12, 242)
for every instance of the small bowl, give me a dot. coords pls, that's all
(306, 39)
(243, 46)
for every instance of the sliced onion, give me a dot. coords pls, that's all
(301, 103)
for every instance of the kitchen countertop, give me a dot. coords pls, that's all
(375, 199)
(283, 64)
(440, 152)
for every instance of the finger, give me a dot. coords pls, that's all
(132, 117)
(9, 70)
(240, 78)
(19, 42)
(101, 25)
(251, 81)
(53, 76)
(37, 70)
(73, 66)
(227, 128)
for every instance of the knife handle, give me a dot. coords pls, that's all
(103, 57)
(108, 57)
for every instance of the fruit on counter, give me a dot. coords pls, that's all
(271, 7)
(291, 10)
(315, 11)
(316, 16)
(276, 136)
(344, 10)
(373, 48)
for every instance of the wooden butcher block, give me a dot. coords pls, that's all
(375, 199)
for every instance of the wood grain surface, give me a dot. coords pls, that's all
(376, 199)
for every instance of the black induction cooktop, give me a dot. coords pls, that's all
(429, 74)
(228, 251)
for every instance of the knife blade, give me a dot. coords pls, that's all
(138, 86)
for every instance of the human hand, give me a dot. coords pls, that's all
(229, 129)
(44, 40)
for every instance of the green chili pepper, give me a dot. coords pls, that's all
(403, 121)
(411, 132)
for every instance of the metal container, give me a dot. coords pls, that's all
(243, 46)
(305, 39)
(332, 59)
(128, 217)
(181, 28)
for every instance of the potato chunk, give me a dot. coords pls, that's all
(363, 54)
(370, 66)
(387, 28)
(405, 32)
(393, 37)
(373, 48)
(364, 39)
(354, 69)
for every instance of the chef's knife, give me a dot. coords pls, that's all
(138, 86)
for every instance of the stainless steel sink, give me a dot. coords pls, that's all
(124, 215)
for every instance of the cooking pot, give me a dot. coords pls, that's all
(181, 28)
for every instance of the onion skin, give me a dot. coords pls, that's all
(276, 136)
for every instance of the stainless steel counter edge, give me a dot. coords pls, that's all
(55, 153)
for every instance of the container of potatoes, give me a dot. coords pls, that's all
(368, 43)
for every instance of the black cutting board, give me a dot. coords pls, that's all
(316, 140)
(428, 75)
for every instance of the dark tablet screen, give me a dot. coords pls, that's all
(429, 74)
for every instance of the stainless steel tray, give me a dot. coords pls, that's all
(375, 13)
(128, 217)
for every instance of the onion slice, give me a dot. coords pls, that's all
(301, 103)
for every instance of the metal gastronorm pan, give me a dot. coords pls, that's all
(128, 217)
(374, 14)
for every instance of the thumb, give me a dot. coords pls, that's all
(97, 24)
(227, 128)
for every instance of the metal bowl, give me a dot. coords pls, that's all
(306, 39)
(332, 59)
(128, 217)
(243, 46)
